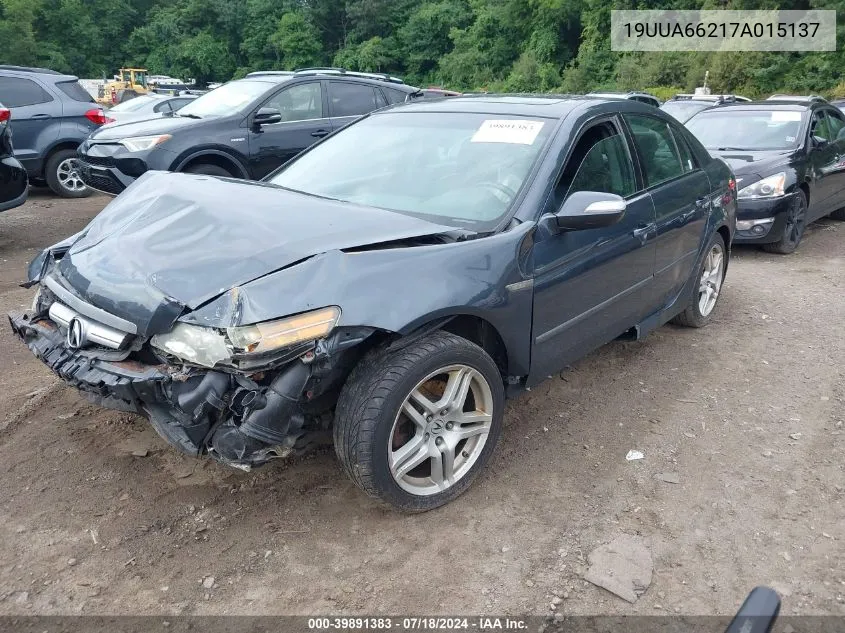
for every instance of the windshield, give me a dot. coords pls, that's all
(459, 169)
(227, 99)
(133, 105)
(682, 110)
(747, 129)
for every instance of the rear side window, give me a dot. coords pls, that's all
(394, 96)
(163, 107)
(16, 92)
(76, 92)
(687, 159)
(657, 149)
(348, 99)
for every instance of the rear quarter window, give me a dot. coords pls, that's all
(75, 91)
(17, 92)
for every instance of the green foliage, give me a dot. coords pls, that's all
(504, 45)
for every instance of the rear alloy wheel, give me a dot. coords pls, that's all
(706, 291)
(62, 174)
(415, 426)
(793, 228)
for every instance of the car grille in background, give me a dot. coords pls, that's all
(105, 161)
(102, 183)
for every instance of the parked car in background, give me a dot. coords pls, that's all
(684, 106)
(149, 106)
(52, 115)
(438, 93)
(13, 180)
(789, 160)
(237, 316)
(803, 98)
(642, 97)
(244, 129)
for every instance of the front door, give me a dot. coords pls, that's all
(680, 191)
(592, 285)
(828, 162)
(303, 123)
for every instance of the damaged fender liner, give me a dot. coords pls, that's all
(237, 421)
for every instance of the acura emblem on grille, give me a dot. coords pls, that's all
(76, 337)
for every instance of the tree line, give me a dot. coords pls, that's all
(495, 45)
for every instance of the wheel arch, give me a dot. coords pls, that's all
(217, 157)
(59, 145)
(471, 327)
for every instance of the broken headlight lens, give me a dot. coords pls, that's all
(208, 346)
(270, 335)
(142, 143)
(201, 345)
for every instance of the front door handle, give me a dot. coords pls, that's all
(40, 116)
(641, 232)
(320, 133)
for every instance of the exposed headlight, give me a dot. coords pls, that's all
(141, 143)
(270, 335)
(771, 187)
(209, 346)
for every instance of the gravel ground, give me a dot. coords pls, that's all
(99, 516)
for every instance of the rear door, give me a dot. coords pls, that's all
(349, 100)
(36, 118)
(304, 122)
(592, 285)
(681, 193)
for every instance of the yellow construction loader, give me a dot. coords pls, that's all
(131, 83)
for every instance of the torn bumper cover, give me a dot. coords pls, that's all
(230, 416)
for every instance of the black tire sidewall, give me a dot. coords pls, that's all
(206, 169)
(51, 175)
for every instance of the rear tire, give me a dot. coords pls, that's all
(60, 172)
(415, 426)
(793, 229)
(209, 170)
(708, 285)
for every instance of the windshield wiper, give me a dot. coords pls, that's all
(189, 116)
(731, 149)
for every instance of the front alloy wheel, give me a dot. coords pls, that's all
(414, 426)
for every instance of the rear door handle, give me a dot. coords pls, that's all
(320, 133)
(40, 116)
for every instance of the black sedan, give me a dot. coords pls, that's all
(390, 286)
(14, 185)
(789, 160)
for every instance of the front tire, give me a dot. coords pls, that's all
(711, 275)
(793, 228)
(62, 175)
(415, 426)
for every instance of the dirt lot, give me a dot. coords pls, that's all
(748, 412)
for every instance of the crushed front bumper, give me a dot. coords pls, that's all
(231, 417)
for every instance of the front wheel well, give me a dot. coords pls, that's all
(482, 333)
(219, 160)
(806, 189)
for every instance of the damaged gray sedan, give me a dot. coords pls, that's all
(390, 286)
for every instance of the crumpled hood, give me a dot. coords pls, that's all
(752, 165)
(184, 239)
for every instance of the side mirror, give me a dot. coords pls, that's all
(818, 141)
(266, 116)
(589, 210)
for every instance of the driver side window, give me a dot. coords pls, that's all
(836, 125)
(302, 102)
(819, 127)
(599, 162)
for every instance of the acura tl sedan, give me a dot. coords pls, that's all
(389, 287)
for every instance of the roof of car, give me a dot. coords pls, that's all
(44, 73)
(276, 78)
(773, 105)
(544, 105)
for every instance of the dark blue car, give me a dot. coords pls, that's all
(390, 286)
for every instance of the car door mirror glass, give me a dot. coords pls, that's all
(266, 116)
(589, 210)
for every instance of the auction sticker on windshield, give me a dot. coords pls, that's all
(508, 131)
(785, 116)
